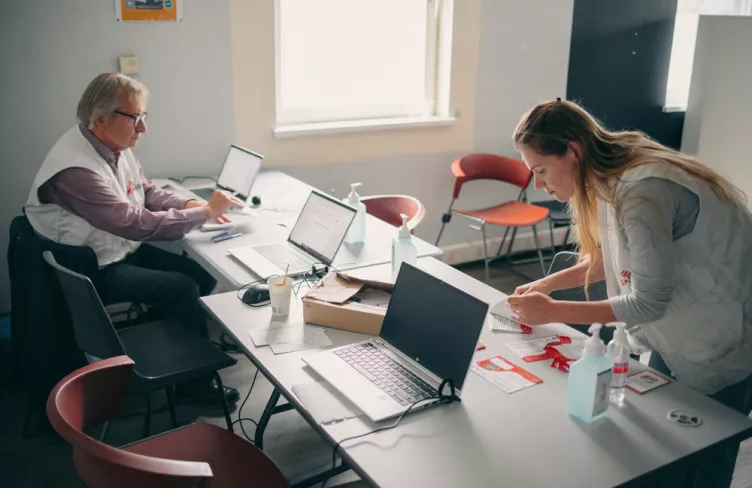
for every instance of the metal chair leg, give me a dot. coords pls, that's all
(485, 251)
(537, 248)
(551, 233)
(443, 224)
(265, 417)
(223, 399)
(147, 417)
(503, 240)
(511, 241)
(171, 406)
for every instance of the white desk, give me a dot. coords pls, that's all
(493, 438)
(282, 198)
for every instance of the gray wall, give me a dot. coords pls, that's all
(50, 50)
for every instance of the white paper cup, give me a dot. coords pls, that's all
(280, 292)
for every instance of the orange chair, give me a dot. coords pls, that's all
(199, 454)
(512, 215)
(389, 207)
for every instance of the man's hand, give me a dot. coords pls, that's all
(218, 205)
(532, 308)
(192, 204)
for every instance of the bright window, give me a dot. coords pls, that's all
(345, 60)
(685, 37)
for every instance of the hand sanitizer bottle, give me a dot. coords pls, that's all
(589, 381)
(403, 249)
(618, 350)
(357, 232)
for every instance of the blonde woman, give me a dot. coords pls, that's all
(671, 237)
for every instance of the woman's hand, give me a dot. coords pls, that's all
(532, 308)
(539, 286)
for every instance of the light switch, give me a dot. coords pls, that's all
(129, 65)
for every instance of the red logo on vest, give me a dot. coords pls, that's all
(626, 277)
(131, 186)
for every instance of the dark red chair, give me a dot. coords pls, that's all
(389, 207)
(512, 214)
(199, 454)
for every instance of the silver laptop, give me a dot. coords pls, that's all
(315, 238)
(429, 334)
(238, 173)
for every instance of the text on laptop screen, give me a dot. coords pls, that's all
(239, 170)
(322, 225)
(434, 323)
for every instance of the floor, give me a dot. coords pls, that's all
(44, 460)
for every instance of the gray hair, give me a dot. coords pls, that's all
(100, 99)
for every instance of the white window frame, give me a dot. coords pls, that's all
(435, 111)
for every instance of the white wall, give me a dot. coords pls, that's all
(718, 125)
(50, 50)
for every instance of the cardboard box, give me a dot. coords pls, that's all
(347, 303)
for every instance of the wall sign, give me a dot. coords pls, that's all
(149, 10)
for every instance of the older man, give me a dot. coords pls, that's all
(91, 191)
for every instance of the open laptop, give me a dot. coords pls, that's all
(316, 237)
(429, 334)
(238, 173)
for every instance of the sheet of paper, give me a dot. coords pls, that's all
(504, 375)
(644, 381)
(276, 335)
(313, 338)
(533, 347)
(573, 350)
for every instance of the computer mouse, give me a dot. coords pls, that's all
(256, 294)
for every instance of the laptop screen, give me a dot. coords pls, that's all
(239, 171)
(433, 323)
(321, 226)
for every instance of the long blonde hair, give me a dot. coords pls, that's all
(549, 129)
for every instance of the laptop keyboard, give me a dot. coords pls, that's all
(281, 255)
(205, 193)
(381, 370)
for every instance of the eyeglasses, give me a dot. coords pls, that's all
(136, 118)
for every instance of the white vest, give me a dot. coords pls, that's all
(73, 150)
(705, 337)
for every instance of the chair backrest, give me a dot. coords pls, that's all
(93, 329)
(480, 166)
(91, 395)
(389, 207)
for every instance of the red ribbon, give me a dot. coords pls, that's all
(560, 361)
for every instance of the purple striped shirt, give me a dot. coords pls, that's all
(84, 193)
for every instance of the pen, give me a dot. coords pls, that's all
(225, 236)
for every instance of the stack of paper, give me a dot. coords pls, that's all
(290, 338)
(500, 320)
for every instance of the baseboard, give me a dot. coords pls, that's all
(467, 252)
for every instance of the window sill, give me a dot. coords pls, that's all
(674, 109)
(399, 123)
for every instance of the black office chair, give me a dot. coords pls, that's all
(596, 291)
(558, 216)
(165, 353)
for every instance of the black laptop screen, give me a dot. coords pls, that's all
(434, 323)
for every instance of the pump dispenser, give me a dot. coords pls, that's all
(403, 249)
(618, 350)
(357, 232)
(589, 381)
